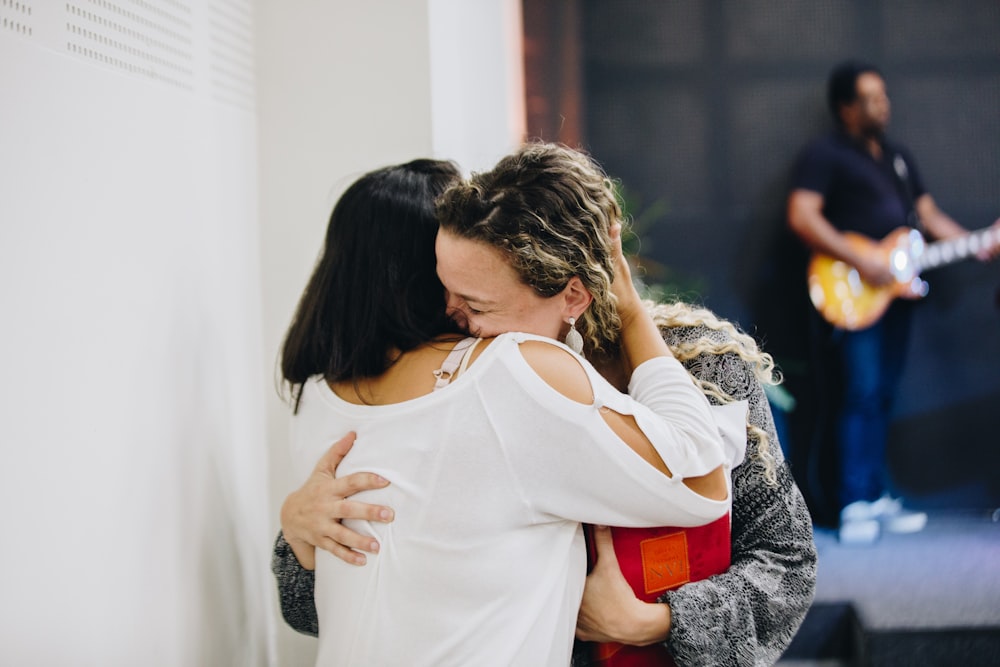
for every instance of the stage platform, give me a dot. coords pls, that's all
(927, 599)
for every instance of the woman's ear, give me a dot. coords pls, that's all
(576, 298)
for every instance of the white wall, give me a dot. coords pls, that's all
(133, 468)
(477, 80)
(345, 87)
(166, 172)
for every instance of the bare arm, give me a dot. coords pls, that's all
(806, 220)
(640, 337)
(641, 341)
(610, 611)
(937, 223)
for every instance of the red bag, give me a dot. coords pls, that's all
(655, 560)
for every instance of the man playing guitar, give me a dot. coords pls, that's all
(850, 185)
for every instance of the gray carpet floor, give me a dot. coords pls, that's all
(927, 598)
(946, 576)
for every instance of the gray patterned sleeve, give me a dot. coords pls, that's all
(748, 614)
(295, 589)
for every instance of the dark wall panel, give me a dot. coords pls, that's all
(775, 31)
(639, 33)
(702, 105)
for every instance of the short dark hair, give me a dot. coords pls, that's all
(375, 286)
(842, 86)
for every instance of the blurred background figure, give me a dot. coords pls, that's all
(851, 190)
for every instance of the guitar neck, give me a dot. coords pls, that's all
(941, 253)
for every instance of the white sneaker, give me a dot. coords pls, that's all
(858, 531)
(896, 518)
(858, 524)
(859, 510)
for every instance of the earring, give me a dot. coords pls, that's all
(574, 340)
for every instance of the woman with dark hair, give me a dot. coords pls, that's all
(401, 304)
(497, 446)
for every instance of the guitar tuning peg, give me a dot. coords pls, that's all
(919, 287)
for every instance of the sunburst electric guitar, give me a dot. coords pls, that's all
(846, 301)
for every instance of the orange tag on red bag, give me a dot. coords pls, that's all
(665, 562)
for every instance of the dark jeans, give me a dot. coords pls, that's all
(869, 363)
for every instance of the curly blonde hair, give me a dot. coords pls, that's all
(550, 208)
(732, 341)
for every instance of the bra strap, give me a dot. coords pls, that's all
(468, 355)
(450, 366)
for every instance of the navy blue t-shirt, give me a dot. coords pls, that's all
(860, 194)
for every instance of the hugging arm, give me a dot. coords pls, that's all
(311, 515)
(295, 589)
(749, 614)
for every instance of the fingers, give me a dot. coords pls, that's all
(313, 513)
(621, 283)
(339, 534)
(604, 545)
(348, 485)
(343, 542)
(333, 456)
(350, 509)
(330, 499)
(345, 554)
(616, 243)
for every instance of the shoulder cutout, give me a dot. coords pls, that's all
(560, 370)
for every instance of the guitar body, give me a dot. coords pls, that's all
(846, 300)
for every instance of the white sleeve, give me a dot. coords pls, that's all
(664, 387)
(731, 419)
(569, 463)
(650, 385)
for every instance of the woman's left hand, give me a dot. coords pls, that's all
(622, 285)
(311, 515)
(610, 611)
